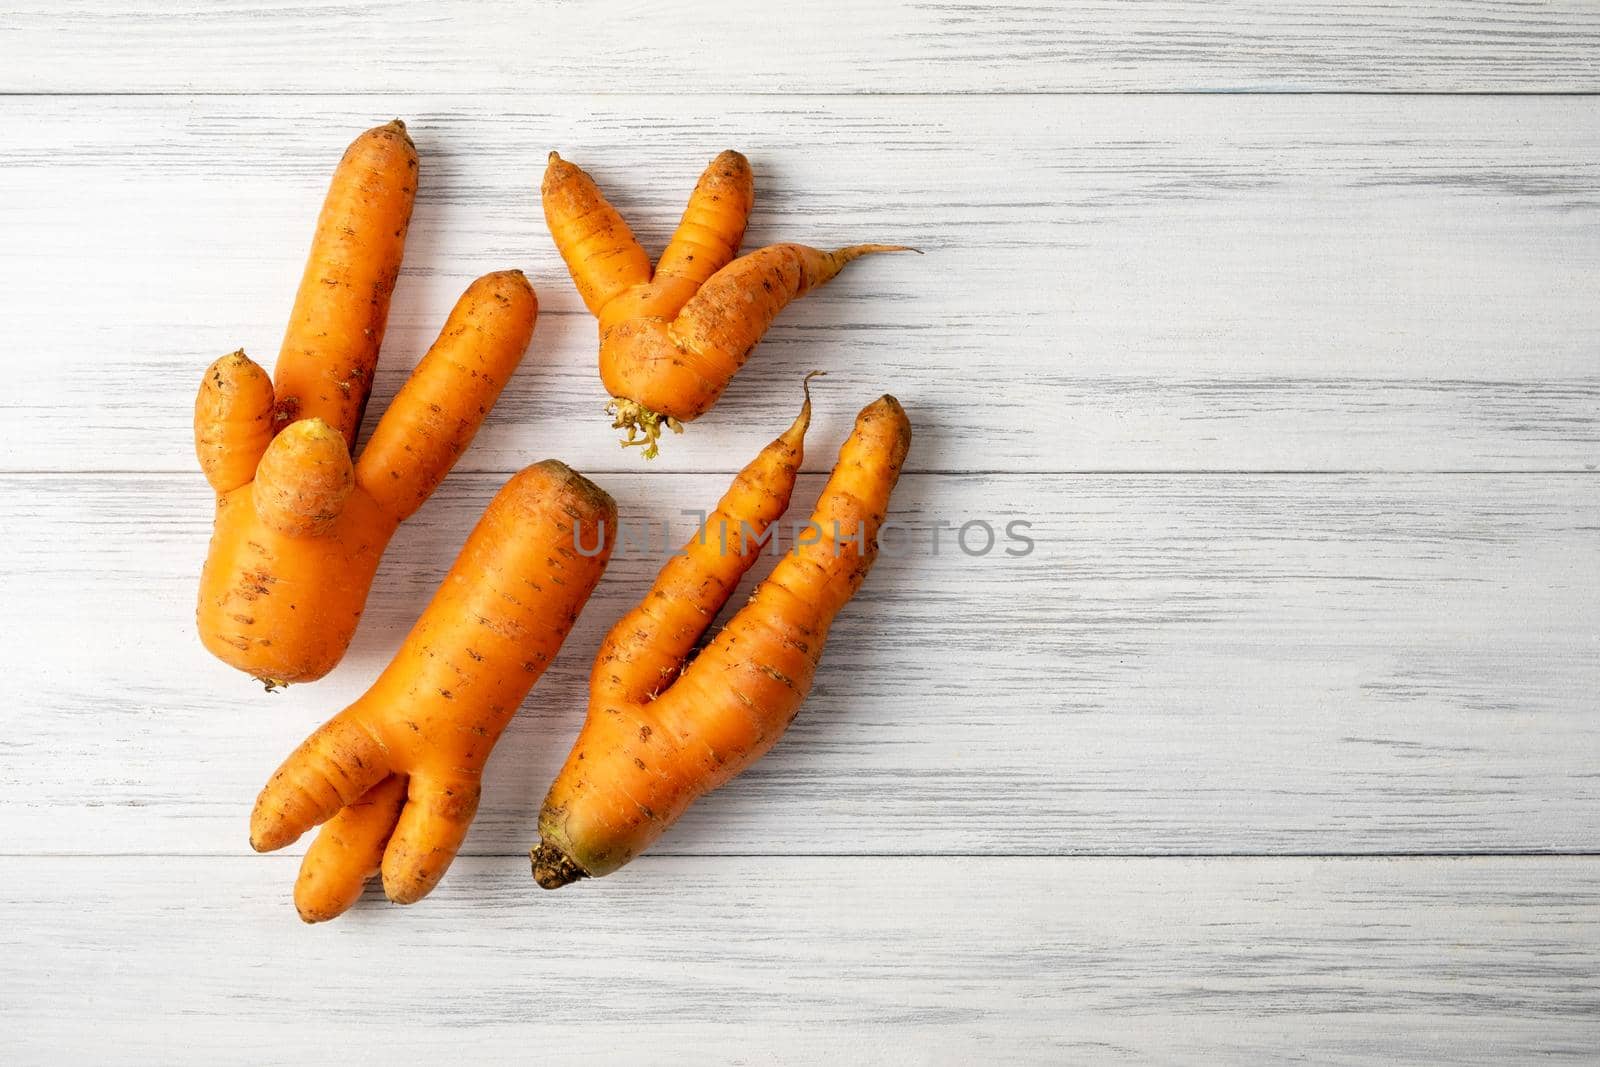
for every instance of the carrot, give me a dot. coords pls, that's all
(303, 480)
(331, 346)
(601, 253)
(672, 340)
(395, 777)
(299, 528)
(659, 734)
(348, 851)
(233, 421)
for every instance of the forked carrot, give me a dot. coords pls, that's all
(672, 339)
(299, 528)
(660, 734)
(395, 777)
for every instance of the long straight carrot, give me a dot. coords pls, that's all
(330, 349)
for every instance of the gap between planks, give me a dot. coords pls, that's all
(946, 472)
(759, 94)
(291, 853)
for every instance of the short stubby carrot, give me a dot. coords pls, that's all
(660, 734)
(394, 779)
(672, 338)
(300, 528)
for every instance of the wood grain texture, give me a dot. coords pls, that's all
(1111, 284)
(857, 960)
(1183, 664)
(831, 46)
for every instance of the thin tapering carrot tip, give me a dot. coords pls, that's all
(795, 435)
(553, 868)
(856, 251)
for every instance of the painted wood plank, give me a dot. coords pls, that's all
(828, 46)
(1111, 284)
(1190, 664)
(181, 960)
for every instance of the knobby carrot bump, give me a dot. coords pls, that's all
(394, 779)
(672, 339)
(299, 526)
(659, 734)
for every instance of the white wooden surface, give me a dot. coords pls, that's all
(816, 959)
(1278, 321)
(831, 46)
(1141, 282)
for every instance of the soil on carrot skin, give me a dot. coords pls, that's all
(552, 868)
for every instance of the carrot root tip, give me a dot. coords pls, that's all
(553, 868)
(642, 425)
(857, 251)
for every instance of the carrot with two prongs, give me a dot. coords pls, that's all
(659, 734)
(672, 339)
(395, 777)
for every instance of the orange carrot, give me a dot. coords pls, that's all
(331, 346)
(600, 250)
(299, 529)
(659, 735)
(348, 851)
(671, 342)
(437, 412)
(303, 480)
(233, 421)
(396, 776)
